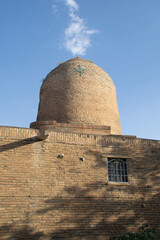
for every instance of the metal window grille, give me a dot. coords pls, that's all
(117, 170)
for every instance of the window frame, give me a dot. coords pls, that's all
(127, 176)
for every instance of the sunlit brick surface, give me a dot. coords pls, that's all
(44, 196)
(69, 96)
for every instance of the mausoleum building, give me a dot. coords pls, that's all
(72, 174)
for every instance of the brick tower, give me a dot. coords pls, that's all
(81, 94)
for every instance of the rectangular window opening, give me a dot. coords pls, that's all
(117, 170)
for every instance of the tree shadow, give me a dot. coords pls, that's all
(25, 233)
(98, 210)
(93, 217)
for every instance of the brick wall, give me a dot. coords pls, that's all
(46, 197)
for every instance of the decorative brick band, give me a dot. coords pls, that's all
(16, 132)
(72, 127)
(95, 140)
(69, 125)
(76, 138)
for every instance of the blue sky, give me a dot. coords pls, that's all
(120, 36)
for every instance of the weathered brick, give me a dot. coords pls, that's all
(43, 196)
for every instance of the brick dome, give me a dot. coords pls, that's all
(79, 92)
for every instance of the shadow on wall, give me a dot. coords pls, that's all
(94, 211)
(18, 144)
(88, 217)
(25, 233)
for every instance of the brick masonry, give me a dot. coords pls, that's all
(72, 128)
(89, 98)
(46, 197)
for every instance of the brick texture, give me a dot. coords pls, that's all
(43, 196)
(89, 98)
(72, 128)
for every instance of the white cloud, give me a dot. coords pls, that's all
(72, 4)
(77, 35)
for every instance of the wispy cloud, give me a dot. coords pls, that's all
(72, 4)
(54, 8)
(77, 35)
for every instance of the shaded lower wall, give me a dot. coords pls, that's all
(46, 197)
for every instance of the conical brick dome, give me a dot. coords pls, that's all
(79, 92)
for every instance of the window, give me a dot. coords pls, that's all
(117, 170)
